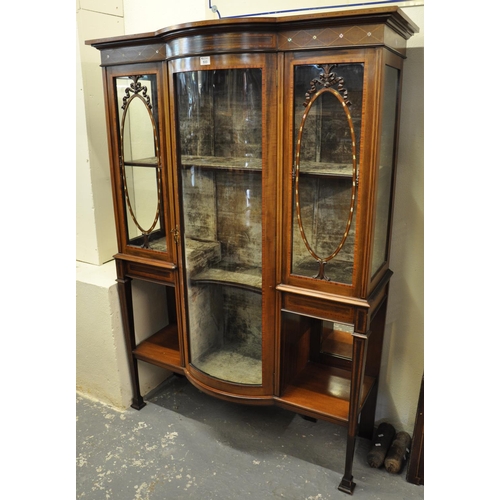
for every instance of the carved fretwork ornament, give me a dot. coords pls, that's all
(136, 87)
(327, 79)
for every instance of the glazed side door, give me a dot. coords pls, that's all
(138, 143)
(328, 170)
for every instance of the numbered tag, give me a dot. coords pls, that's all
(205, 60)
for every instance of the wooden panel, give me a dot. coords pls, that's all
(318, 308)
(140, 53)
(295, 349)
(221, 42)
(415, 473)
(339, 36)
(157, 274)
(161, 349)
(323, 391)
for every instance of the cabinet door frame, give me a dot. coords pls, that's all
(114, 145)
(267, 62)
(374, 276)
(365, 161)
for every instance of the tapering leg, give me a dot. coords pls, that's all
(125, 295)
(367, 417)
(357, 374)
(372, 369)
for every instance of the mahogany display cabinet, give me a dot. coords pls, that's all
(253, 167)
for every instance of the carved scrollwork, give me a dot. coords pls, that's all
(136, 87)
(327, 79)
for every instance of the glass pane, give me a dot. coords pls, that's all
(336, 339)
(328, 105)
(219, 117)
(141, 169)
(386, 167)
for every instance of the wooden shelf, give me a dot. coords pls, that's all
(161, 349)
(246, 277)
(324, 391)
(325, 169)
(309, 168)
(337, 270)
(143, 162)
(157, 241)
(222, 163)
(206, 266)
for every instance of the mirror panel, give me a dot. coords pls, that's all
(336, 339)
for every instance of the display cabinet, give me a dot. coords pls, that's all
(253, 165)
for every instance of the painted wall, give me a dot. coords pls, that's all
(403, 359)
(95, 225)
(101, 363)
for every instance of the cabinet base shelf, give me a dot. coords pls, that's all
(322, 392)
(162, 349)
(230, 365)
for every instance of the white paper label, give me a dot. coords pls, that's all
(205, 60)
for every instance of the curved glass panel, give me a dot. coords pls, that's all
(139, 162)
(328, 104)
(386, 170)
(219, 120)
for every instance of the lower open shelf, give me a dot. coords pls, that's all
(161, 349)
(323, 390)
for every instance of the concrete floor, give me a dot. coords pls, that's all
(186, 445)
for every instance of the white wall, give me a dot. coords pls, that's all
(101, 363)
(403, 358)
(232, 8)
(95, 227)
(152, 15)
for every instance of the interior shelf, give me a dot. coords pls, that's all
(325, 169)
(222, 163)
(324, 390)
(161, 349)
(143, 162)
(206, 266)
(248, 277)
(337, 270)
(156, 242)
(315, 168)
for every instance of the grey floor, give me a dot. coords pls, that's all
(186, 445)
